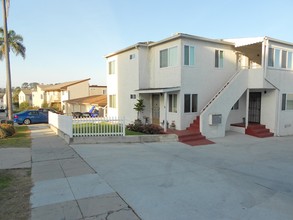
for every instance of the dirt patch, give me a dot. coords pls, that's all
(15, 188)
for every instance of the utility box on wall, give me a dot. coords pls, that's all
(215, 119)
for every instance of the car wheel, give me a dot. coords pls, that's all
(26, 121)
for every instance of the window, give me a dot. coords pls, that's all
(168, 57)
(190, 103)
(132, 96)
(219, 58)
(280, 58)
(173, 103)
(131, 56)
(287, 101)
(284, 59)
(235, 106)
(188, 55)
(112, 67)
(290, 60)
(112, 99)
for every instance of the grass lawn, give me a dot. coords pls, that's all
(129, 132)
(21, 138)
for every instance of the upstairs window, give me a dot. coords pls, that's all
(280, 58)
(188, 55)
(111, 67)
(219, 58)
(168, 57)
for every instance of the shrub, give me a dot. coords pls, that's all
(3, 133)
(8, 129)
(24, 106)
(147, 129)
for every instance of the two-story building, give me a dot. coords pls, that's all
(56, 95)
(205, 84)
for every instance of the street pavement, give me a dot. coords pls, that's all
(240, 177)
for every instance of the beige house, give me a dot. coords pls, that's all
(97, 90)
(25, 95)
(55, 95)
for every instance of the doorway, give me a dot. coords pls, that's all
(254, 107)
(156, 109)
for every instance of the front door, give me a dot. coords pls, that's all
(156, 109)
(254, 107)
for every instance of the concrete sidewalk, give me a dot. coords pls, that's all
(66, 187)
(13, 158)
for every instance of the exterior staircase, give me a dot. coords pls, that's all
(258, 130)
(192, 136)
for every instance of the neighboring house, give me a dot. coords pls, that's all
(97, 90)
(85, 104)
(55, 95)
(218, 83)
(25, 95)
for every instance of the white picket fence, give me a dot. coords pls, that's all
(85, 127)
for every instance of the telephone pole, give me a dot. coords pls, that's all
(8, 74)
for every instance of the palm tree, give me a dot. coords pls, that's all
(14, 42)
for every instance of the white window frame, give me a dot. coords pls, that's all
(169, 57)
(191, 62)
(193, 107)
(112, 101)
(219, 58)
(111, 67)
(285, 102)
(276, 60)
(173, 100)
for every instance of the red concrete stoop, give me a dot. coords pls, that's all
(192, 136)
(258, 130)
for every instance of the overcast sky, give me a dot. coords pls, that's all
(68, 39)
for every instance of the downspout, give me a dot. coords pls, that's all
(165, 111)
(247, 108)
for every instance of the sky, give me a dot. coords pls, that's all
(67, 40)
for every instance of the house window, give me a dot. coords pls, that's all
(132, 96)
(280, 58)
(188, 55)
(173, 103)
(219, 58)
(287, 101)
(190, 103)
(112, 99)
(131, 56)
(112, 67)
(168, 57)
(236, 106)
(284, 59)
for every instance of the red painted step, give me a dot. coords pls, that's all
(192, 136)
(258, 130)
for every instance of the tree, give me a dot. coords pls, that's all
(139, 107)
(14, 42)
(16, 92)
(24, 85)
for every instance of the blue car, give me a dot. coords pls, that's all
(30, 117)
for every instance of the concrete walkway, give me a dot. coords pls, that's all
(240, 177)
(13, 158)
(66, 187)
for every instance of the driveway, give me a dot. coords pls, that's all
(239, 177)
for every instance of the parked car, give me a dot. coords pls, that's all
(30, 117)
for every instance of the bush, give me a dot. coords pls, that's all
(3, 133)
(24, 106)
(6, 130)
(147, 129)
